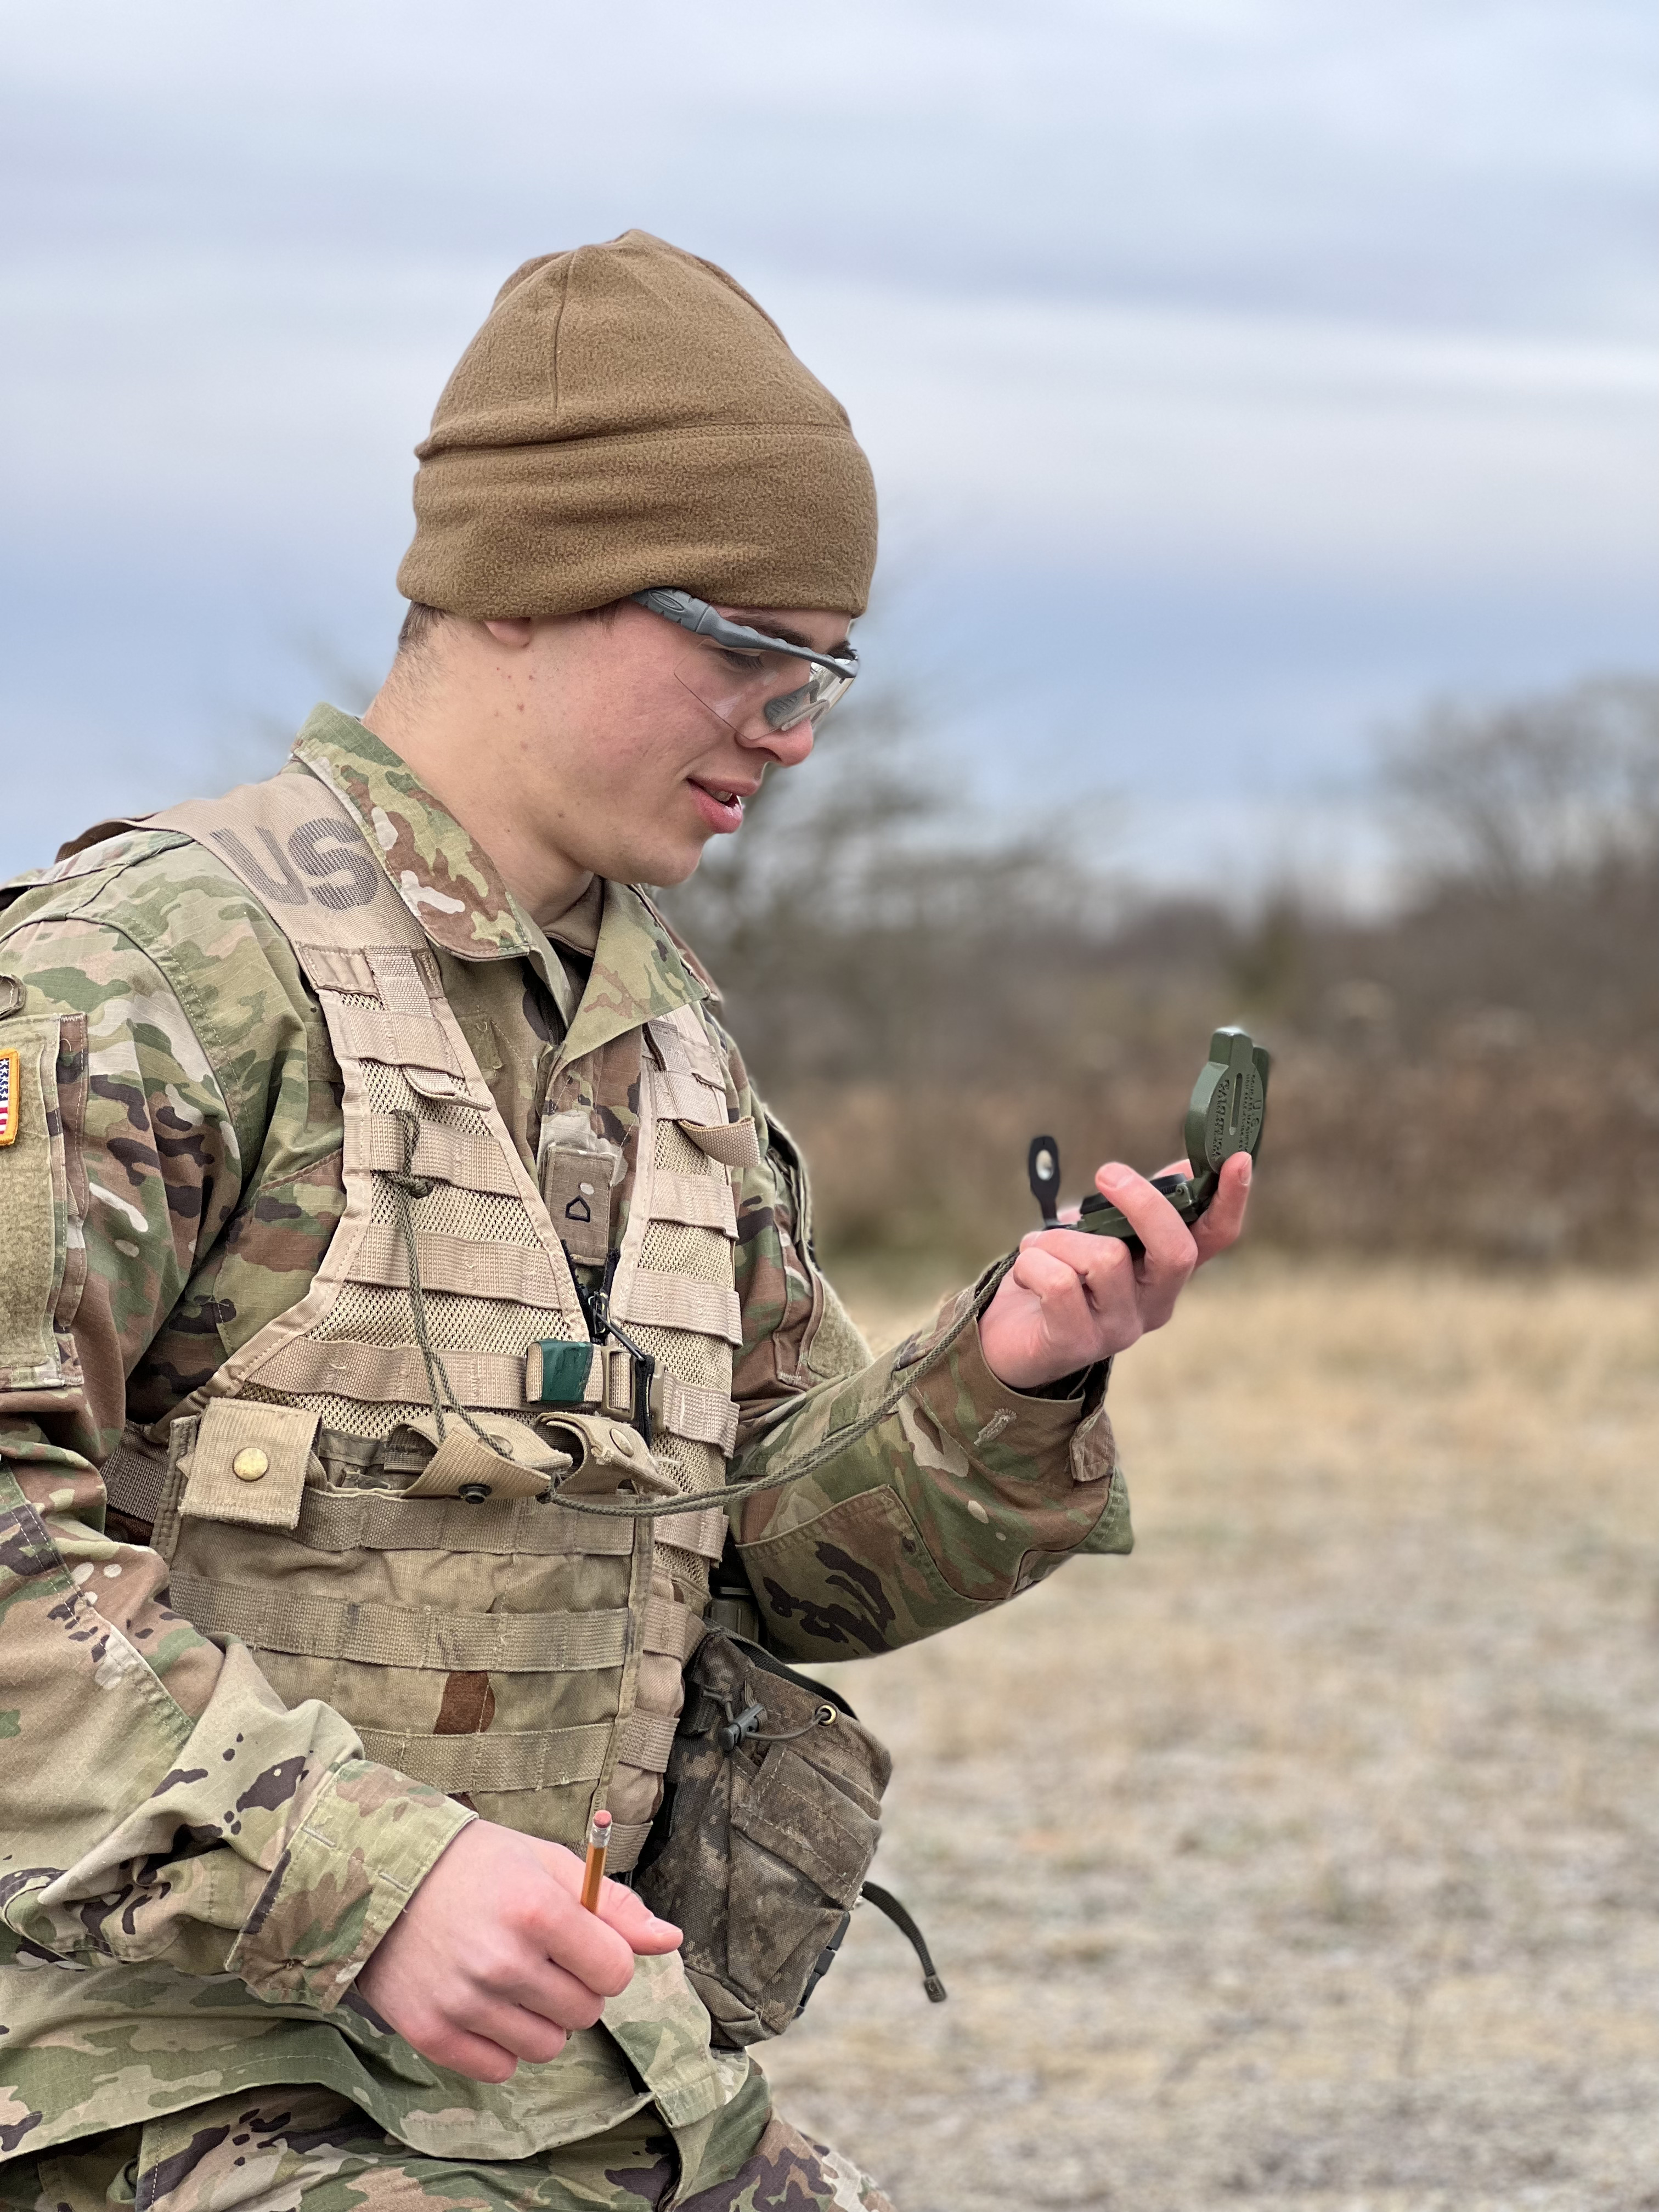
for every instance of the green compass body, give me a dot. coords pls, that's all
(1226, 1115)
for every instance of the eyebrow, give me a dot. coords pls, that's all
(757, 619)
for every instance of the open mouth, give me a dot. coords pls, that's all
(720, 805)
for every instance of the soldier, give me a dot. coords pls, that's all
(350, 1127)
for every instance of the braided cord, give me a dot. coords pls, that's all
(406, 1187)
(816, 1456)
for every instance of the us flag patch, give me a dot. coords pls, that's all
(10, 1086)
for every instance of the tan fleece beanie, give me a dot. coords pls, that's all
(627, 415)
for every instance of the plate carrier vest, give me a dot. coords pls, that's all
(479, 1637)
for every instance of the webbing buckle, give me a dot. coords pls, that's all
(614, 1379)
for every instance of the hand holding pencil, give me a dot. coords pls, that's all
(599, 1843)
(508, 1946)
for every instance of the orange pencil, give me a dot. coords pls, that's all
(599, 1843)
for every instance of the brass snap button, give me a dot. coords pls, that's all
(250, 1463)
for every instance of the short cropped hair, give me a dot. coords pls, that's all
(418, 624)
(421, 623)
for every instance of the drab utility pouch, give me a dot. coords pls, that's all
(771, 1816)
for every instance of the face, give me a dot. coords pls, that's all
(618, 765)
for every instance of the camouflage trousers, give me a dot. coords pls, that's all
(305, 2149)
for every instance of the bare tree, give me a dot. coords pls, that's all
(1511, 796)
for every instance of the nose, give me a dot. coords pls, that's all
(788, 748)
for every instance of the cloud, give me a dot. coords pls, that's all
(1179, 439)
(1299, 359)
(1490, 163)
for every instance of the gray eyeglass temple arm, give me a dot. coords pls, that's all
(703, 621)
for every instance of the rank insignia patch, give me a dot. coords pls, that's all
(10, 1098)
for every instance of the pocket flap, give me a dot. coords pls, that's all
(793, 1810)
(248, 1464)
(606, 1454)
(515, 1463)
(733, 1144)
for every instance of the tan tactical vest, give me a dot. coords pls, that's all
(479, 1636)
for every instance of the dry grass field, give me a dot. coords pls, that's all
(1309, 1857)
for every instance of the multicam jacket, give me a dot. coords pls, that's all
(198, 1861)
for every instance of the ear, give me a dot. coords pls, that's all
(515, 632)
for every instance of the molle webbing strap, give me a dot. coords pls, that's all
(697, 1202)
(494, 1382)
(500, 1759)
(681, 1097)
(382, 1520)
(382, 1374)
(645, 1740)
(504, 1761)
(702, 1529)
(671, 1629)
(330, 968)
(400, 1040)
(685, 1050)
(705, 1416)
(681, 1302)
(133, 1483)
(270, 1618)
(522, 1272)
(627, 1842)
(376, 1143)
(404, 979)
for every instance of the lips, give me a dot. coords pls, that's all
(721, 805)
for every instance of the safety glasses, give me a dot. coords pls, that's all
(759, 686)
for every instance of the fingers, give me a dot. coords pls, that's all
(539, 1989)
(626, 1911)
(1072, 1298)
(620, 1907)
(1094, 1298)
(1172, 1252)
(1224, 1221)
(485, 2038)
(577, 1946)
(1041, 1323)
(1083, 1283)
(474, 2056)
(1053, 1268)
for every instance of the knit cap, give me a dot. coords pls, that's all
(627, 415)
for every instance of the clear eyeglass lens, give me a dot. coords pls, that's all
(762, 694)
(811, 702)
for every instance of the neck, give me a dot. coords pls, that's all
(457, 737)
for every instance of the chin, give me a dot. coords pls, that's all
(674, 865)
(678, 869)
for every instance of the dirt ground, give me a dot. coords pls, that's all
(1310, 1856)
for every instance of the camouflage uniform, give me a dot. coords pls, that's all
(196, 1871)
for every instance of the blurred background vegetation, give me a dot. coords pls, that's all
(1472, 1072)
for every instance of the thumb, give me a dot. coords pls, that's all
(626, 1911)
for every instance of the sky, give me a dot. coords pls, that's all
(1239, 375)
